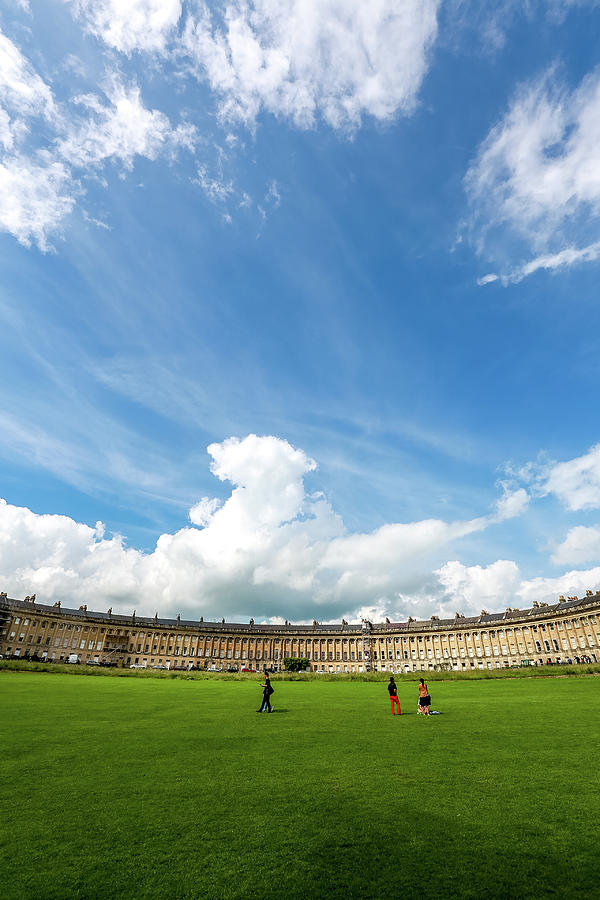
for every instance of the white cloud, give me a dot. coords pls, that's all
(38, 191)
(22, 91)
(34, 199)
(512, 504)
(471, 588)
(549, 261)
(548, 590)
(308, 59)
(63, 559)
(202, 512)
(129, 25)
(36, 194)
(215, 187)
(270, 546)
(121, 129)
(23, 95)
(7, 130)
(575, 482)
(537, 174)
(487, 279)
(303, 60)
(580, 545)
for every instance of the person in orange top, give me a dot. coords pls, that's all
(424, 699)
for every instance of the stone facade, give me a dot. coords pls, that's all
(568, 630)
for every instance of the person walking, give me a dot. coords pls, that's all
(393, 692)
(424, 699)
(267, 691)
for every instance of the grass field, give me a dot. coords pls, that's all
(141, 788)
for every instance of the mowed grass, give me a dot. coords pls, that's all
(178, 789)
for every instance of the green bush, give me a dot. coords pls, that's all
(295, 664)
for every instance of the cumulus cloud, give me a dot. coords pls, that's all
(513, 503)
(271, 547)
(576, 482)
(548, 590)
(582, 544)
(202, 512)
(63, 558)
(303, 60)
(471, 588)
(536, 175)
(129, 25)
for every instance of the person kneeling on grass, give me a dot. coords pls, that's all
(267, 691)
(424, 699)
(393, 692)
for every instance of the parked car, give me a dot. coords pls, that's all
(138, 666)
(73, 658)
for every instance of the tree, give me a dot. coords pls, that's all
(295, 663)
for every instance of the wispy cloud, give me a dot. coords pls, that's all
(547, 261)
(40, 182)
(34, 199)
(535, 177)
(120, 128)
(138, 25)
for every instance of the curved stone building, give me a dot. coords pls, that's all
(568, 630)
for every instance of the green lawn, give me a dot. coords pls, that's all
(141, 788)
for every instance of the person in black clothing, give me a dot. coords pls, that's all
(393, 692)
(267, 691)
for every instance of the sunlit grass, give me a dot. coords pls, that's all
(127, 787)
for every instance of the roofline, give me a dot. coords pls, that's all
(511, 615)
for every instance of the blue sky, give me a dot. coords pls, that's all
(299, 302)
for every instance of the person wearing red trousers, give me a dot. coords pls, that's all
(393, 692)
